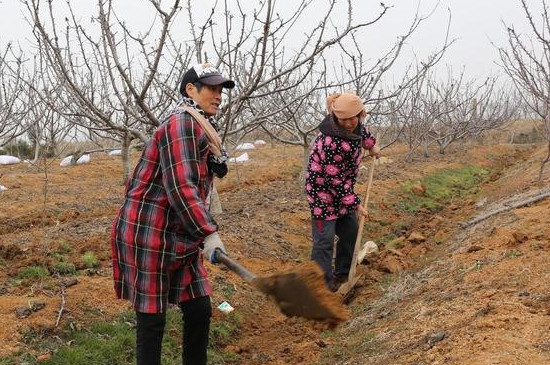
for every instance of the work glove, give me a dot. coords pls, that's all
(375, 151)
(218, 165)
(211, 243)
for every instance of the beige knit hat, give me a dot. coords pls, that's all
(346, 105)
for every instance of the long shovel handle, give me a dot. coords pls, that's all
(357, 248)
(234, 266)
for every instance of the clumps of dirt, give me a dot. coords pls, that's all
(10, 252)
(302, 292)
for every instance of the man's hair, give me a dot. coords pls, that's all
(197, 84)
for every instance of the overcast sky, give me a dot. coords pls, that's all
(474, 25)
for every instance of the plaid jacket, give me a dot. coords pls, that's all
(156, 235)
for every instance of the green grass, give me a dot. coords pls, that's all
(33, 272)
(90, 260)
(63, 247)
(441, 188)
(113, 343)
(512, 253)
(64, 268)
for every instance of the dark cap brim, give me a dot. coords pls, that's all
(215, 80)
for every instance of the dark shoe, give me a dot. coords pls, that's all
(336, 282)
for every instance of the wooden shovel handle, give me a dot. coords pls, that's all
(234, 266)
(361, 223)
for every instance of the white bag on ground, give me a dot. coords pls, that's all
(245, 146)
(83, 159)
(8, 160)
(241, 158)
(67, 161)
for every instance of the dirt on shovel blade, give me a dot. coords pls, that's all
(302, 292)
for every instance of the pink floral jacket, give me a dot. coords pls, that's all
(333, 167)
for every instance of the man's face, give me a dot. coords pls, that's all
(209, 97)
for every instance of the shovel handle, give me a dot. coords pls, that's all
(234, 266)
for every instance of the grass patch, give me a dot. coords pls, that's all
(18, 359)
(512, 253)
(64, 268)
(90, 260)
(33, 272)
(113, 343)
(221, 333)
(440, 188)
(360, 345)
(63, 247)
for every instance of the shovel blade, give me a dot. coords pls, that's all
(303, 293)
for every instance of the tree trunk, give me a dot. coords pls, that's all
(36, 151)
(126, 157)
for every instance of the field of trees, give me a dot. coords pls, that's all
(458, 208)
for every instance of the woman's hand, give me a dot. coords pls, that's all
(362, 211)
(375, 151)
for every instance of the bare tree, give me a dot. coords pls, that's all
(13, 108)
(46, 128)
(527, 61)
(469, 109)
(443, 111)
(255, 52)
(365, 73)
(110, 79)
(115, 82)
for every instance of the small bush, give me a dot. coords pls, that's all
(34, 272)
(63, 247)
(89, 260)
(64, 268)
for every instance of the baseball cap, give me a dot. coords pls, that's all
(206, 74)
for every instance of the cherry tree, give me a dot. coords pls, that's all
(526, 60)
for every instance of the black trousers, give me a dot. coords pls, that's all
(196, 326)
(324, 232)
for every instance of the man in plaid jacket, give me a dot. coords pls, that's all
(164, 227)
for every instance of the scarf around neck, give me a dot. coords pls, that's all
(208, 124)
(329, 127)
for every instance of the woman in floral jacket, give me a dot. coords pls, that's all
(330, 179)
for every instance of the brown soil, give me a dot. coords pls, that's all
(442, 295)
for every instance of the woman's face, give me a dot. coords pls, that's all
(349, 124)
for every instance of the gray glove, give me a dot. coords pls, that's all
(212, 242)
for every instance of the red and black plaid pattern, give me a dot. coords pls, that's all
(156, 235)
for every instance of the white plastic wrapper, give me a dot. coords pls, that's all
(225, 307)
(241, 158)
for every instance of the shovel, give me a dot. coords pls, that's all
(345, 290)
(300, 293)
